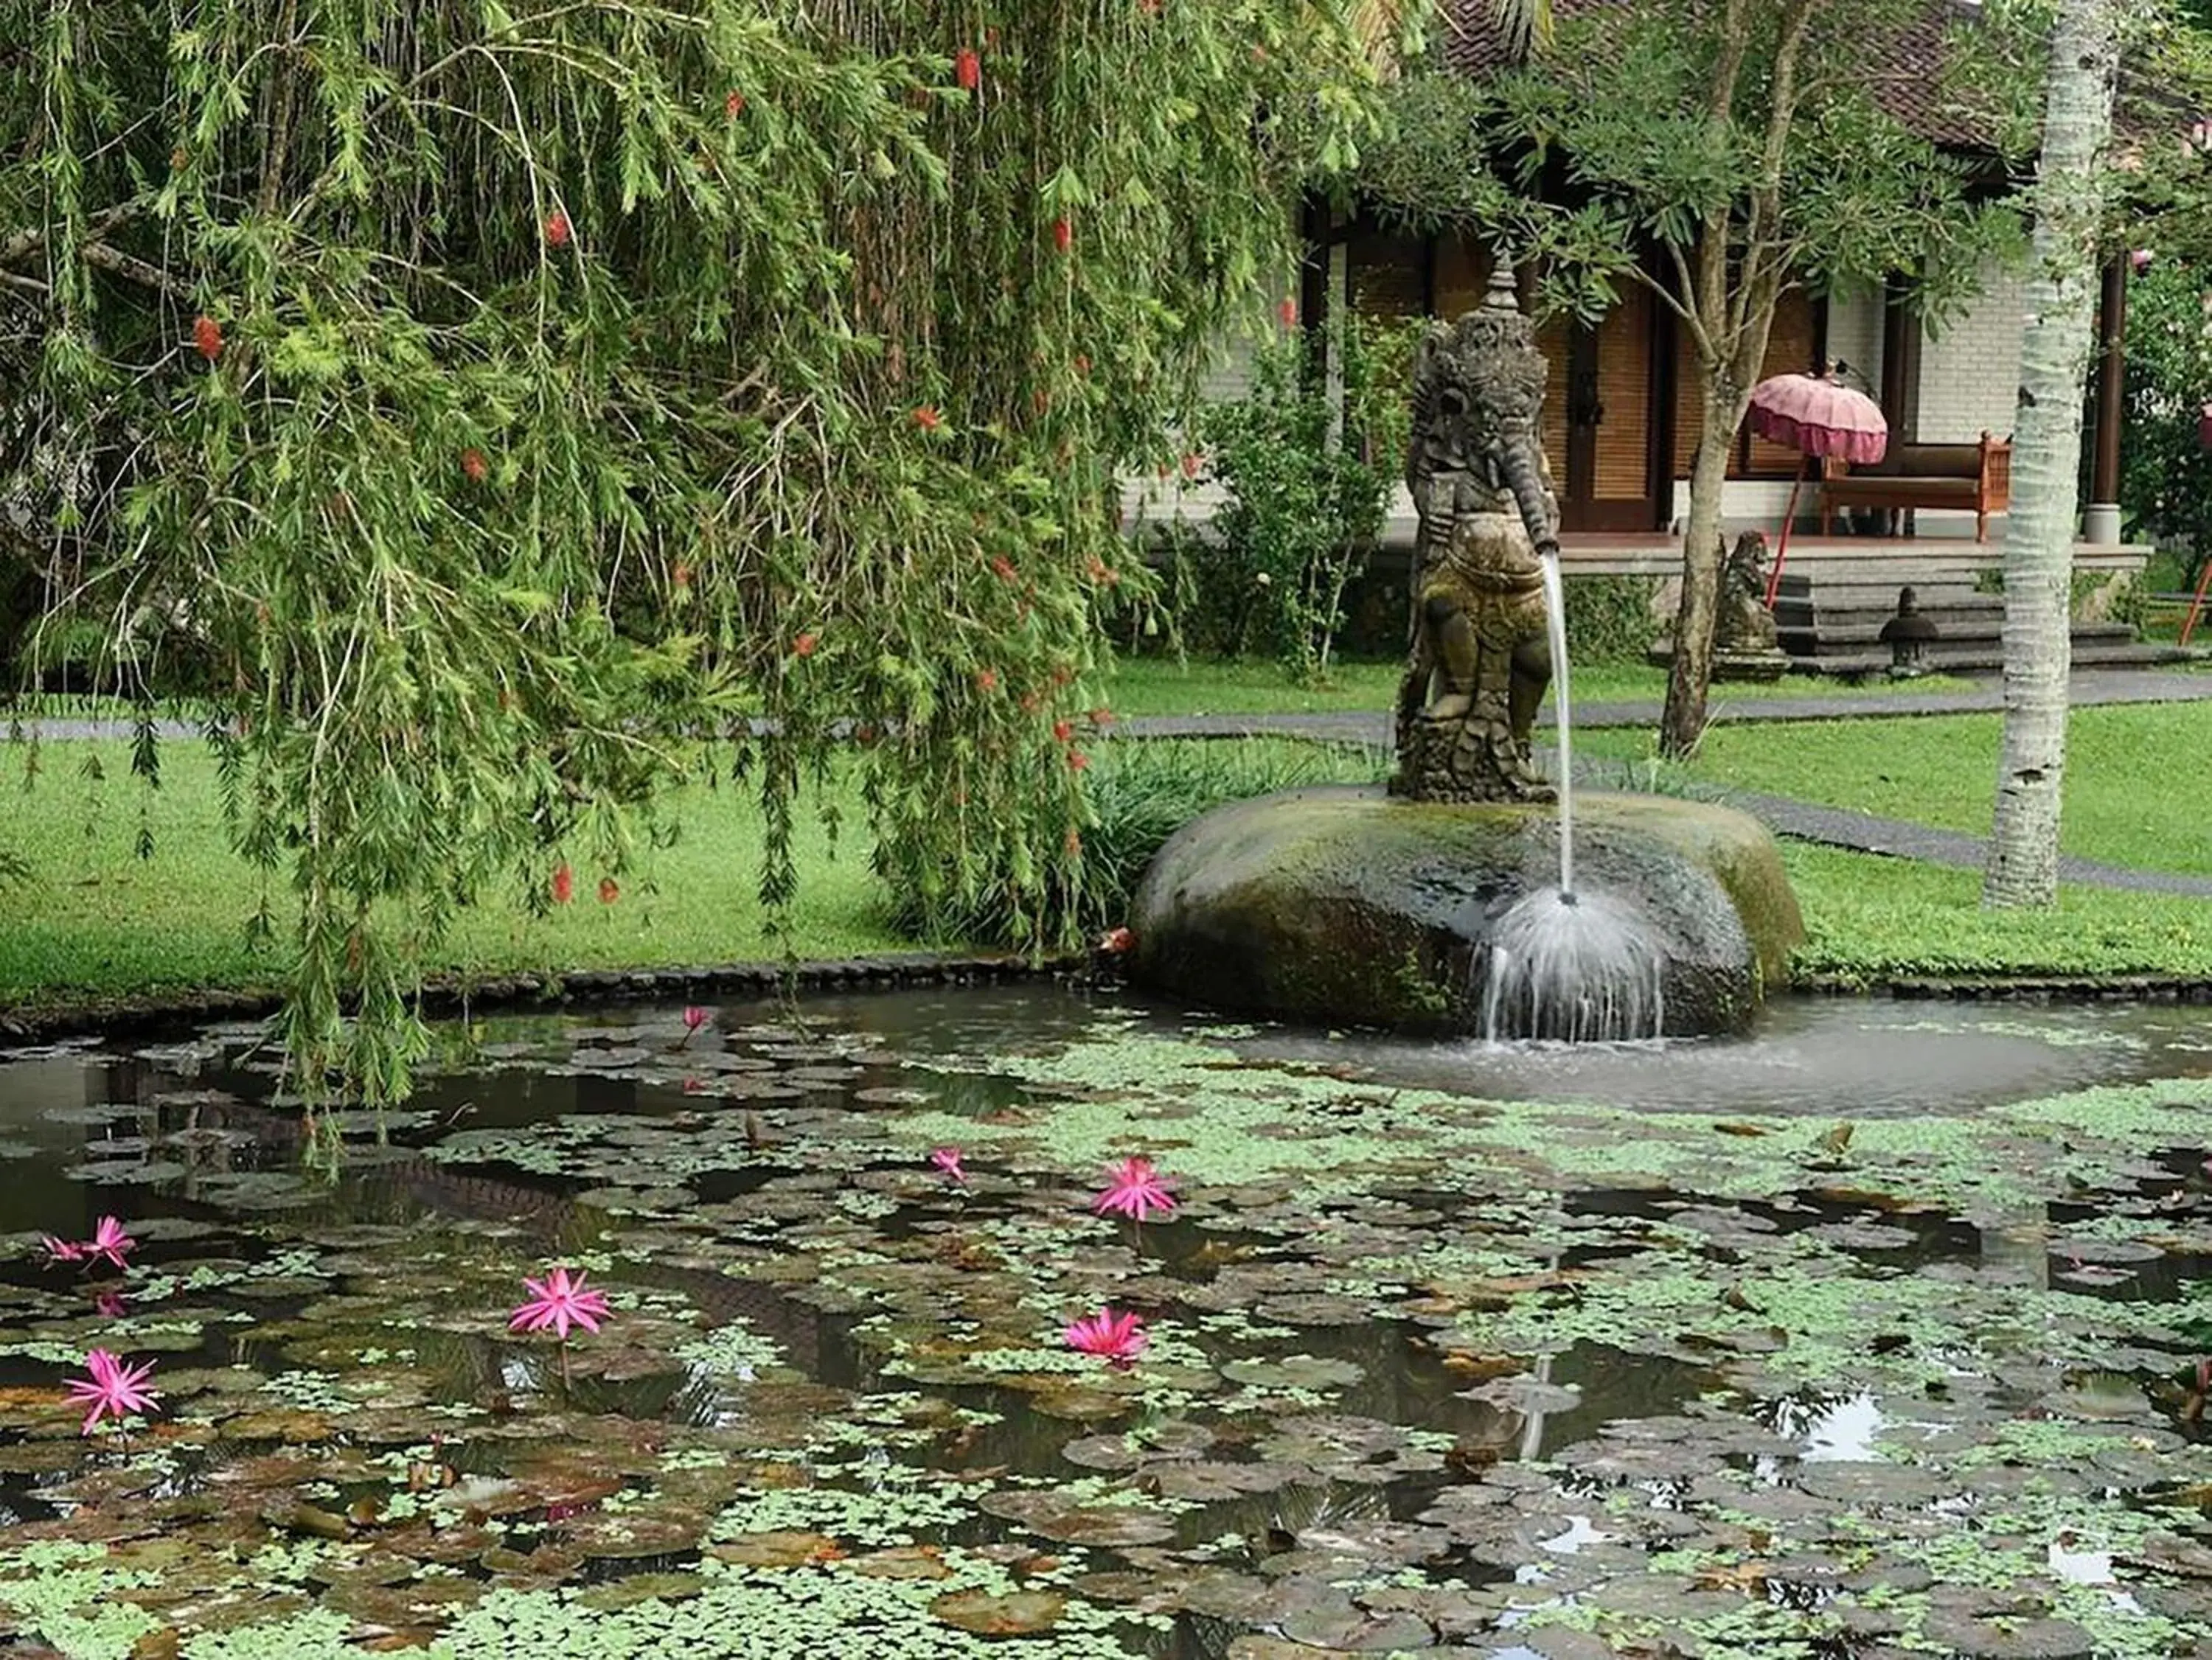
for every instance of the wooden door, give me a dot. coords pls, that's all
(1599, 426)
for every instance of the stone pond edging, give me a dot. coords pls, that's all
(510, 994)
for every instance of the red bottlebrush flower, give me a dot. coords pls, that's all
(1063, 731)
(734, 105)
(557, 228)
(968, 68)
(1063, 235)
(1102, 717)
(987, 680)
(804, 644)
(1077, 760)
(1190, 465)
(926, 417)
(1004, 569)
(474, 464)
(1287, 310)
(564, 884)
(610, 890)
(207, 334)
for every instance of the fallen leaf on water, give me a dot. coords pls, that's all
(1017, 1614)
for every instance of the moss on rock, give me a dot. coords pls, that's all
(1343, 906)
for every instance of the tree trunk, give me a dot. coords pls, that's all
(2023, 866)
(1683, 721)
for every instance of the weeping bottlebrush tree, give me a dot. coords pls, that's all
(499, 410)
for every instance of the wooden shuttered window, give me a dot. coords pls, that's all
(1793, 345)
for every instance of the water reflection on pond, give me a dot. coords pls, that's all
(1862, 1336)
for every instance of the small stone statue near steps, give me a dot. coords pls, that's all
(1745, 644)
(1480, 658)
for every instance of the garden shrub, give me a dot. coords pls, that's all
(1309, 459)
(1609, 618)
(1145, 790)
(2166, 474)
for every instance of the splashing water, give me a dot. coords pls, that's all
(1555, 619)
(1574, 967)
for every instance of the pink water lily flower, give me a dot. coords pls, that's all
(947, 1159)
(109, 1240)
(61, 1251)
(113, 1390)
(1117, 1338)
(1134, 1188)
(694, 1018)
(559, 1301)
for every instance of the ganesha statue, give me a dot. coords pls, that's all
(1480, 658)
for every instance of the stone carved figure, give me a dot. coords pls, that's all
(1480, 655)
(1746, 625)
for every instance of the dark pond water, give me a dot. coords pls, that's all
(1880, 1333)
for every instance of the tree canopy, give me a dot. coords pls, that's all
(488, 407)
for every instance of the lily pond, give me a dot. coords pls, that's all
(1883, 1332)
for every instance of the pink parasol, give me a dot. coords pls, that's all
(1815, 415)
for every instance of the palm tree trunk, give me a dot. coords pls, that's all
(2023, 865)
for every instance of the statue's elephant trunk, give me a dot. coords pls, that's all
(1522, 473)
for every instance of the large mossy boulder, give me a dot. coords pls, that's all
(1345, 906)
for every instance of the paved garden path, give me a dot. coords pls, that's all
(2090, 686)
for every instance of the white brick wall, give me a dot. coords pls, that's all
(1970, 373)
(1854, 335)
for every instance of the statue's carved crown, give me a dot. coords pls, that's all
(1484, 368)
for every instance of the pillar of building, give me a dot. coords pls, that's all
(2100, 518)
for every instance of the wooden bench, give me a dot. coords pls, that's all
(1975, 478)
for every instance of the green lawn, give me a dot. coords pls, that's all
(2136, 774)
(1872, 918)
(95, 919)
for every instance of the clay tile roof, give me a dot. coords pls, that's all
(1908, 85)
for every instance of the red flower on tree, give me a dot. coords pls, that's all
(1003, 568)
(610, 890)
(564, 884)
(804, 644)
(1063, 234)
(968, 68)
(207, 334)
(1063, 731)
(926, 417)
(1102, 717)
(474, 464)
(1083, 363)
(1287, 310)
(1077, 760)
(734, 105)
(987, 680)
(557, 228)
